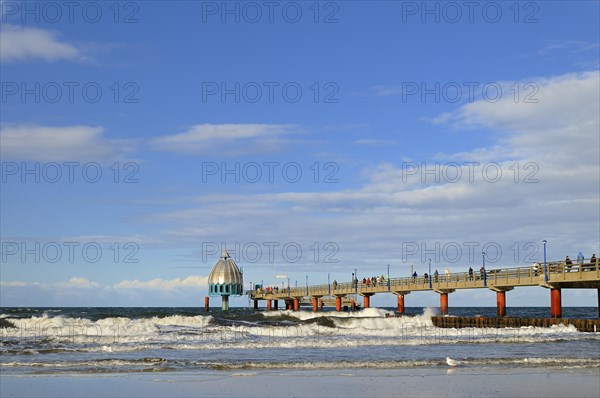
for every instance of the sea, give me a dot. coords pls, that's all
(124, 340)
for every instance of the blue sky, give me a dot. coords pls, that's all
(398, 115)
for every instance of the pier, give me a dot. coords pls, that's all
(554, 276)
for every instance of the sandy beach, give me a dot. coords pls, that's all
(451, 382)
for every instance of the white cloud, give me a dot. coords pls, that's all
(226, 139)
(558, 136)
(67, 143)
(572, 46)
(193, 281)
(84, 292)
(19, 43)
(80, 283)
(197, 282)
(382, 90)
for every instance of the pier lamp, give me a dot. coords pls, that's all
(355, 280)
(388, 277)
(289, 291)
(307, 285)
(328, 283)
(545, 263)
(430, 285)
(484, 271)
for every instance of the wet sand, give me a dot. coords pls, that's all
(423, 382)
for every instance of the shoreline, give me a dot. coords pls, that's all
(498, 381)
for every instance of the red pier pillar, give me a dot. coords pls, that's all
(206, 303)
(296, 304)
(555, 304)
(401, 303)
(268, 305)
(367, 301)
(444, 303)
(501, 303)
(338, 302)
(315, 303)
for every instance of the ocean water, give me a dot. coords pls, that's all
(116, 340)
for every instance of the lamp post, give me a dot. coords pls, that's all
(484, 271)
(388, 279)
(328, 283)
(429, 277)
(545, 263)
(355, 281)
(307, 285)
(289, 291)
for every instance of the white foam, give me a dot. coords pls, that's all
(370, 327)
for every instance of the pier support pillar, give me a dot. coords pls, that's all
(598, 303)
(338, 302)
(206, 303)
(225, 303)
(555, 304)
(401, 303)
(321, 304)
(444, 303)
(353, 306)
(315, 303)
(501, 303)
(367, 301)
(275, 304)
(296, 304)
(256, 304)
(268, 305)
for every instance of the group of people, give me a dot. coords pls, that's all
(436, 276)
(268, 289)
(580, 261)
(482, 273)
(374, 280)
(371, 281)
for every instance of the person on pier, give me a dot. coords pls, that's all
(568, 263)
(470, 273)
(436, 274)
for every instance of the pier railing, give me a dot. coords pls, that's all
(555, 272)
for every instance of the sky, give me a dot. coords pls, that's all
(138, 139)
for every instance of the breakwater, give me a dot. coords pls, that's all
(583, 325)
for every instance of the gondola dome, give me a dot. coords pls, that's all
(225, 278)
